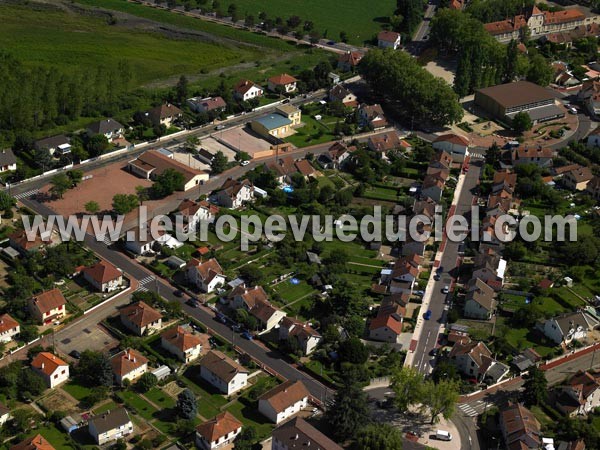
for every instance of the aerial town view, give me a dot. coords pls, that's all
(311, 225)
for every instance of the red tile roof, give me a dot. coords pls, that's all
(47, 363)
(49, 300)
(388, 36)
(220, 426)
(103, 272)
(7, 323)
(140, 314)
(37, 442)
(244, 86)
(183, 339)
(453, 138)
(127, 361)
(282, 79)
(207, 269)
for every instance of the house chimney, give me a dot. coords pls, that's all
(43, 364)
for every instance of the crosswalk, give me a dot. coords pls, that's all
(143, 282)
(26, 194)
(468, 410)
(476, 156)
(107, 240)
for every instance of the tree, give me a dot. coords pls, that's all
(94, 369)
(124, 203)
(512, 55)
(379, 436)
(218, 163)
(75, 176)
(191, 143)
(242, 156)
(349, 411)
(187, 406)
(60, 184)
(521, 122)
(97, 145)
(181, 89)
(440, 398)
(146, 382)
(343, 36)
(354, 351)
(246, 439)
(540, 71)
(142, 194)
(407, 384)
(535, 387)
(92, 207)
(6, 201)
(168, 182)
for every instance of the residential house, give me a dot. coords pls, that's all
(490, 267)
(218, 432)
(272, 125)
(442, 160)
(593, 139)
(433, 185)
(338, 154)
(143, 240)
(140, 318)
(285, 167)
(520, 429)
(234, 193)
(246, 90)
(185, 344)
(255, 301)
(165, 114)
(282, 83)
(291, 112)
(59, 144)
(103, 276)
(267, 315)
(479, 300)
(306, 337)
(387, 326)
(527, 358)
(8, 160)
(128, 364)
(567, 327)
(541, 157)
(19, 240)
(385, 142)
(110, 128)
(298, 434)
(455, 145)
(349, 61)
(191, 213)
(404, 275)
(283, 401)
(48, 306)
(504, 181)
(51, 368)
(205, 275)
(9, 328)
(372, 116)
(223, 373)
(339, 93)
(37, 442)
(580, 395)
(388, 39)
(110, 426)
(154, 163)
(474, 359)
(593, 188)
(578, 178)
(590, 95)
(207, 105)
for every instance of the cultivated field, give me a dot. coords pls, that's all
(53, 37)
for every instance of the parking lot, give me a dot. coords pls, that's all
(90, 338)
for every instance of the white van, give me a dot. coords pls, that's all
(443, 435)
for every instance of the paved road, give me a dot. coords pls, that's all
(437, 304)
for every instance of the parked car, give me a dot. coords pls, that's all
(244, 163)
(220, 317)
(178, 293)
(427, 315)
(247, 335)
(75, 354)
(446, 289)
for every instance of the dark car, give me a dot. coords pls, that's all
(247, 335)
(433, 352)
(427, 315)
(75, 354)
(193, 303)
(178, 293)
(221, 317)
(437, 277)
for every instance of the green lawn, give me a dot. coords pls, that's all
(76, 390)
(58, 438)
(160, 398)
(290, 292)
(359, 19)
(313, 132)
(56, 38)
(133, 400)
(105, 407)
(380, 193)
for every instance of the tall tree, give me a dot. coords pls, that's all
(142, 194)
(521, 122)
(124, 203)
(440, 398)
(187, 405)
(60, 184)
(407, 385)
(378, 436)
(92, 207)
(349, 411)
(181, 89)
(535, 387)
(540, 71)
(168, 182)
(218, 163)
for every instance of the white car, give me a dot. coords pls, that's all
(446, 289)
(244, 163)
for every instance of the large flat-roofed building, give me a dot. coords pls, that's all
(504, 101)
(272, 125)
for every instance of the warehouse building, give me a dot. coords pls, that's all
(504, 101)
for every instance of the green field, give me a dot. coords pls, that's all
(52, 37)
(359, 19)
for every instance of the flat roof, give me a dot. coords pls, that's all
(543, 112)
(518, 93)
(273, 121)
